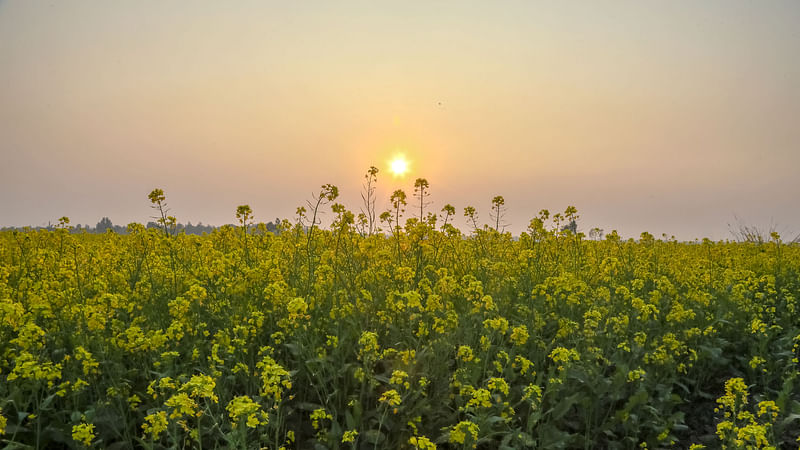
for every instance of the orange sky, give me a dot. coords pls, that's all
(669, 117)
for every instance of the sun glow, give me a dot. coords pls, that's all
(399, 166)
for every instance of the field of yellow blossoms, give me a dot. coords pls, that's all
(422, 336)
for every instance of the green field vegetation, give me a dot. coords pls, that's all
(417, 336)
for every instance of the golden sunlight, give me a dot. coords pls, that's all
(398, 166)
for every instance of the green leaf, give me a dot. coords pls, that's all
(563, 406)
(374, 437)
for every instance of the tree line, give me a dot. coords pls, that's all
(106, 226)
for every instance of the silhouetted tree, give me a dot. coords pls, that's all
(572, 227)
(104, 225)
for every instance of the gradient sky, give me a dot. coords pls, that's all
(670, 117)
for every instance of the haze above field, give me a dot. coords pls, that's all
(667, 117)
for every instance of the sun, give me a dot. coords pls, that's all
(398, 166)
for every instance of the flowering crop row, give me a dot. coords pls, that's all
(422, 337)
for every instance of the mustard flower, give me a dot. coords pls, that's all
(349, 436)
(519, 335)
(368, 345)
(481, 398)
(460, 433)
(464, 353)
(399, 378)
(422, 443)
(181, 405)
(390, 397)
(243, 406)
(154, 424)
(83, 433)
(318, 415)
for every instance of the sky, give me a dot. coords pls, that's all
(668, 117)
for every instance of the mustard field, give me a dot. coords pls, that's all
(420, 336)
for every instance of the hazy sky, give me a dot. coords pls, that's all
(669, 117)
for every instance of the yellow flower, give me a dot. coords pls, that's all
(359, 374)
(464, 353)
(532, 391)
(80, 384)
(252, 421)
(758, 327)
(407, 356)
(735, 391)
(481, 398)
(753, 436)
(519, 335)
(768, 408)
(422, 443)
(349, 436)
(523, 364)
(368, 345)
(274, 378)
(28, 367)
(134, 401)
(485, 343)
(635, 375)
(155, 424)
(562, 356)
(498, 324)
(181, 405)
(400, 378)
(88, 363)
(243, 406)
(297, 309)
(332, 341)
(756, 361)
(319, 415)
(498, 384)
(390, 397)
(460, 432)
(423, 383)
(83, 433)
(201, 386)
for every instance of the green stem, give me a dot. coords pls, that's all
(380, 425)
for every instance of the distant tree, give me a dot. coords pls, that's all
(571, 216)
(596, 234)
(272, 227)
(104, 225)
(571, 226)
(198, 229)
